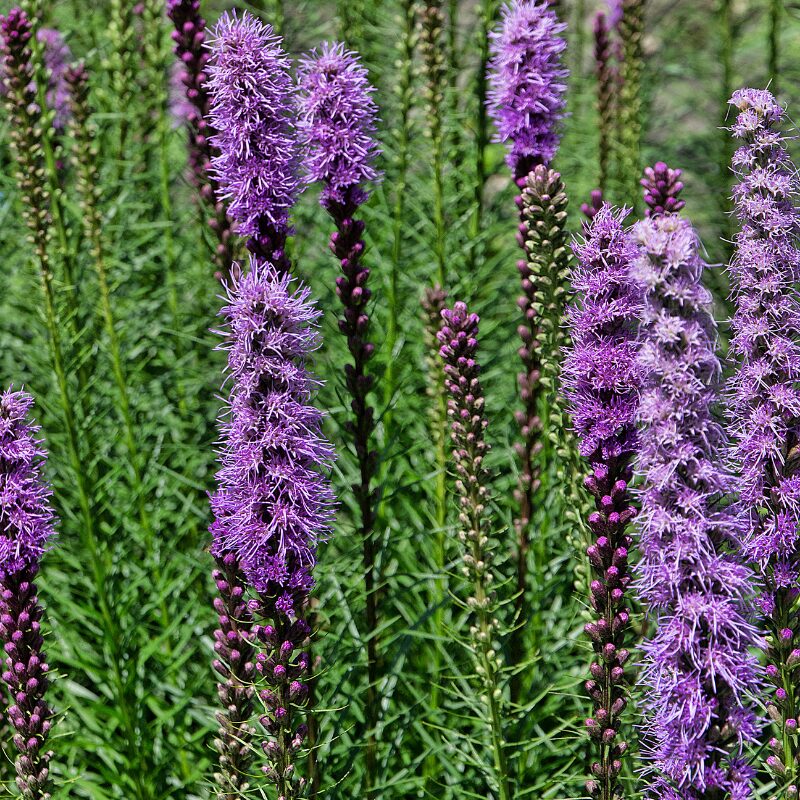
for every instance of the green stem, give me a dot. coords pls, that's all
(398, 212)
(775, 9)
(488, 10)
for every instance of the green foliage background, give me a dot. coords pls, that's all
(138, 710)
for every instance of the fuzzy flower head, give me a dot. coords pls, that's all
(764, 405)
(601, 373)
(337, 121)
(527, 83)
(698, 674)
(252, 105)
(274, 501)
(26, 518)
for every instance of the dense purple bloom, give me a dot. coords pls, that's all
(602, 377)
(252, 109)
(272, 507)
(26, 519)
(26, 523)
(764, 406)
(527, 83)
(337, 121)
(274, 500)
(698, 672)
(601, 373)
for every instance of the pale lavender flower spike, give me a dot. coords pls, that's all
(764, 404)
(698, 672)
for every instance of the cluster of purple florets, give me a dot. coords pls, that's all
(527, 83)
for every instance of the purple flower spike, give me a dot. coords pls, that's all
(272, 507)
(527, 83)
(662, 186)
(601, 385)
(337, 121)
(252, 110)
(26, 522)
(274, 502)
(764, 406)
(56, 57)
(698, 672)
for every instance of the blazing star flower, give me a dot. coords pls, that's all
(27, 525)
(274, 500)
(764, 404)
(252, 111)
(527, 83)
(698, 672)
(26, 519)
(337, 122)
(272, 507)
(601, 380)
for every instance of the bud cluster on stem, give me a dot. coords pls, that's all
(601, 384)
(458, 338)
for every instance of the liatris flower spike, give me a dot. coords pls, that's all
(189, 37)
(526, 101)
(698, 671)
(252, 110)
(601, 384)
(662, 186)
(274, 501)
(337, 121)
(26, 522)
(764, 405)
(466, 408)
(527, 83)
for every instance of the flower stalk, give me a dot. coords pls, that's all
(28, 526)
(601, 383)
(189, 37)
(337, 122)
(699, 674)
(466, 408)
(764, 404)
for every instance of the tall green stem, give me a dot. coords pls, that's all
(775, 14)
(405, 94)
(487, 12)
